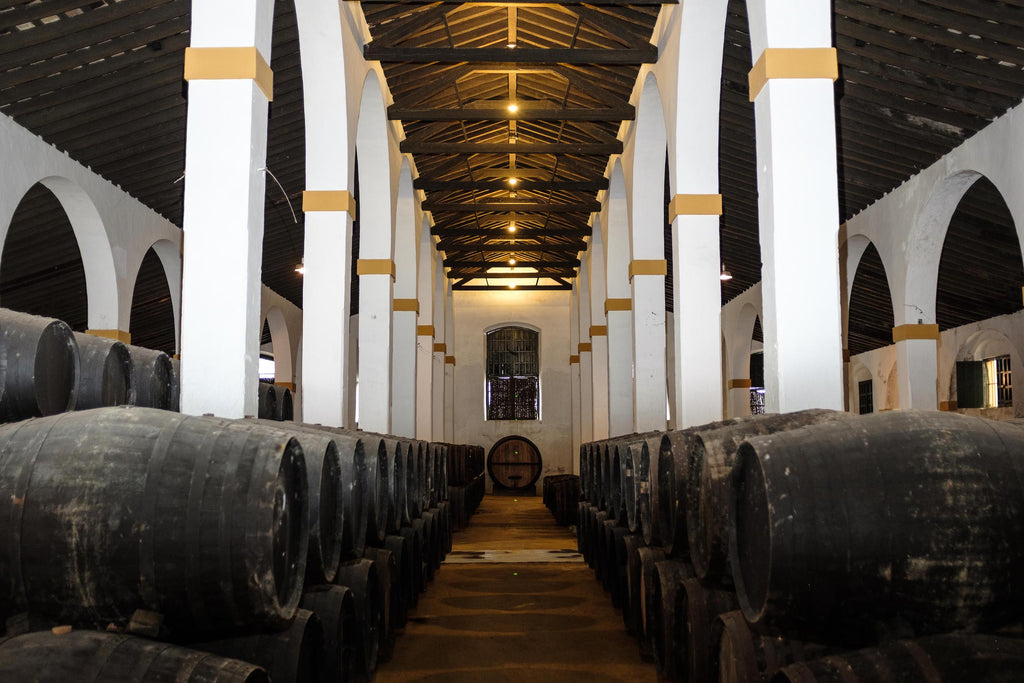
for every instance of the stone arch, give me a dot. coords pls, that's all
(374, 175)
(280, 339)
(616, 235)
(406, 247)
(153, 322)
(868, 285)
(647, 197)
(892, 388)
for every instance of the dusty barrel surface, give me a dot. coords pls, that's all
(739, 654)
(710, 457)
(39, 371)
(105, 375)
(387, 578)
(668, 486)
(293, 655)
(402, 587)
(154, 377)
(395, 471)
(336, 608)
(266, 402)
(649, 557)
(96, 657)
(909, 516)
(414, 540)
(175, 404)
(942, 659)
(200, 519)
(326, 501)
(633, 610)
(284, 404)
(360, 577)
(699, 604)
(666, 638)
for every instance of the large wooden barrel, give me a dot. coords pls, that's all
(335, 606)
(293, 655)
(379, 505)
(326, 501)
(649, 558)
(285, 406)
(175, 404)
(936, 659)
(514, 463)
(668, 486)
(402, 586)
(616, 511)
(710, 458)
(414, 540)
(105, 376)
(154, 377)
(397, 452)
(630, 483)
(97, 657)
(38, 366)
(202, 520)
(739, 654)
(667, 639)
(356, 483)
(266, 402)
(360, 576)
(647, 502)
(633, 610)
(387, 578)
(908, 516)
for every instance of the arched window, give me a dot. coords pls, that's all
(513, 371)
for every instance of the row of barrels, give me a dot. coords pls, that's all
(212, 535)
(275, 403)
(814, 546)
(465, 463)
(465, 499)
(562, 495)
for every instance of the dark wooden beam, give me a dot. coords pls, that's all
(461, 264)
(484, 186)
(474, 247)
(582, 148)
(552, 273)
(521, 233)
(517, 207)
(647, 54)
(562, 3)
(622, 113)
(532, 288)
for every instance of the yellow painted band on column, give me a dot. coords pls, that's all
(846, 355)
(329, 200)
(375, 266)
(598, 330)
(948, 406)
(176, 356)
(739, 384)
(406, 305)
(584, 347)
(290, 386)
(792, 62)
(424, 330)
(617, 305)
(694, 205)
(449, 360)
(904, 332)
(648, 267)
(229, 63)
(119, 335)
(574, 359)
(439, 347)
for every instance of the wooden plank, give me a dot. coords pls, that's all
(622, 113)
(553, 265)
(532, 288)
(513, 206)
(520, 55)
(512, 249)
(591, 148)
(521, 233)
(429, 185)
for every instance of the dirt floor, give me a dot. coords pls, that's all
(514, 602)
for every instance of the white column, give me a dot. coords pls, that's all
(325, 313)
(574, 367)
(797, 203)
(375, 290)
(438, 351)
(618, 309)
(225, 154)
(594, 298)
(449, 365)
(405, 311)
(917, 365)
(586, 356)
(425, 339)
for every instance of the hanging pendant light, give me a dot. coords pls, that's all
(725, 275)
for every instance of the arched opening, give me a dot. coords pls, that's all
(864, 393)
(152, 319)
(513, 374)
(41, 270)
(267, 367)
(870, 315)
(757, 392)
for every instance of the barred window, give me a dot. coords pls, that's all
(513, 371)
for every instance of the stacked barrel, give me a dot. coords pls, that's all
(814, 546)
(466, 485)
(247, 547)
(562, 497)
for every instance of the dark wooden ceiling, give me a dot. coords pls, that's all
(102, 81)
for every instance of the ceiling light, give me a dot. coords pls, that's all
(512, 262)
(301, 268)
(512, 286)
(513, 181)
(511, 45)
(725, 274)
(513, 107)
(512, 226)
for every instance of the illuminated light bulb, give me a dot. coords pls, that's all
(512, 226)
(513, 181)
(513, 108)
(512, 286)
(512, 262)
(511, 46)
(301, 268)
(725, 275)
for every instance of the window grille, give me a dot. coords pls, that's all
(866, 395)
(513, 370)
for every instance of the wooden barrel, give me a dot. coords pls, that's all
(444, 529)
(699, 604)
(202, 520)
(669, 489)
(387, 579)
(266, 404)
(741, 655)
(649, 557)
(710, 458)
(630, 480)
(402, 586)
(105, 375)
(631, 609)
(597, 544)
(903, 515)
(326, 501)
(360, 577)
(97, 657)
(284, 404)
(934, 659)
(430, 497)
(154, 377)
(667, 638)
(647, 502)
(335, 606)
(397, 478)
(356, 482)
(39, 372)
(584, 457)
(175, 403)
(432, 536)
(294, 655)
(416, 482)
(614, 482)
(414, 538)
(440, 452)
(514, 463)
(598, 454)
